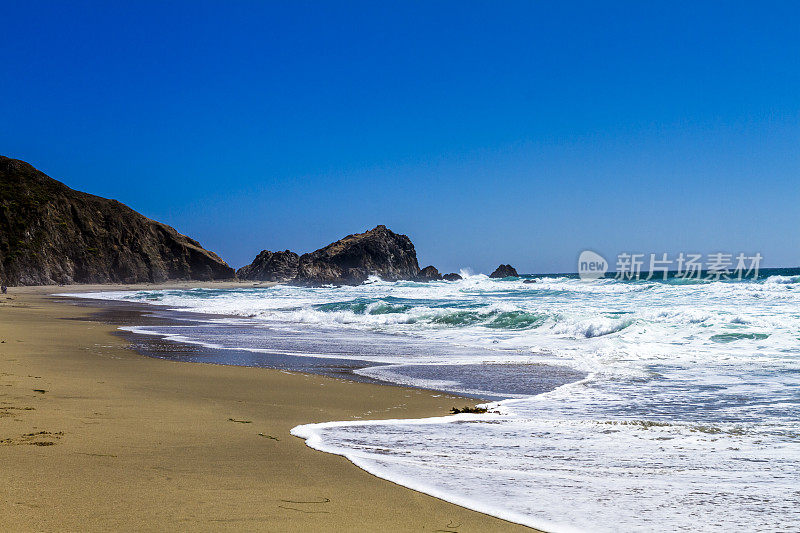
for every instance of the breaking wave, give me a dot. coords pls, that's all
(687, 418)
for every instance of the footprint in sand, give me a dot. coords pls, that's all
(33, 439)
(305, 506)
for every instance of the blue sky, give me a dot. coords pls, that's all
(520, 132)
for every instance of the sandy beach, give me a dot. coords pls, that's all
(94, 436)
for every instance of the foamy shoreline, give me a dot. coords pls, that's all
(667, 425)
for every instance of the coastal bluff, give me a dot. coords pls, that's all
(51, 234)
(348, 261)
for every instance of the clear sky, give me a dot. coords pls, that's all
(486, 131)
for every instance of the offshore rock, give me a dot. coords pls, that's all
(429, 273)
(348, 261)
(271, 266)
(504, 271)
(353, 259)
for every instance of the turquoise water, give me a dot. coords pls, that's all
(684, 415)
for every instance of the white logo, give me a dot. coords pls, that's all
(591, 265)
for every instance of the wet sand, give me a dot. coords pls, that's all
(94, 436)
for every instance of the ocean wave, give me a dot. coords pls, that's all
(596, 327)
(731, 337)
(425, 311)
(680, 316)
(367, 306)
(782, 280)
(698, 380)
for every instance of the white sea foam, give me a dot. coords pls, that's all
(782, 279)
(687, 421)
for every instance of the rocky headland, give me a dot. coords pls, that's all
(51, 234)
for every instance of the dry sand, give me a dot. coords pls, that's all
(95, 437)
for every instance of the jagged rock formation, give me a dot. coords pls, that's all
(429, 273)
(348, 261)
(271, 266)
(52, 234)
(504, 271)
(452, 277)
(353, 259)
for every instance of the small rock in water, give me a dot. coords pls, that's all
(429, 273)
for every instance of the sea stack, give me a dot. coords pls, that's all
(348, 261)
(429, 273)
(504, 271)
(51, 234)
(271, 266)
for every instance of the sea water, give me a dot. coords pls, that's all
(677, 406)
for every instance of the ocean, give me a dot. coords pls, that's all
(615, 405)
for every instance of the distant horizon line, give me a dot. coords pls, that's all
(612, 273)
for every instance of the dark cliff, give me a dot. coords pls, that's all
(52, 234)
(350, 260)
(354, 258)
(271, 266)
